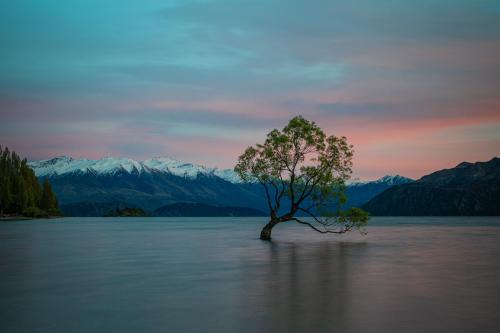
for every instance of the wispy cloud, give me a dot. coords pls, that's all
(414, 85)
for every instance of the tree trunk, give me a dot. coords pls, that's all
(265, 234)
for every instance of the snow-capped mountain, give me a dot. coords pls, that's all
(387, 180)
(65, 165)
(358, 192)
(91, 187)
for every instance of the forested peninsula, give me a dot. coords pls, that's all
(21, 194)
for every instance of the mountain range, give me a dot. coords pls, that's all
(65, 165)
(465, 190)
(94, 187)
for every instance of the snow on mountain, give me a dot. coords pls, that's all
(109, 165)
(175, 167)
(60, 165)
(66, 165)
(388, 180)
(394, 180)
(229, 175)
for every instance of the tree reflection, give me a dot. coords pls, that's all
(302, 288)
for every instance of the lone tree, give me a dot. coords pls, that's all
(303, 172)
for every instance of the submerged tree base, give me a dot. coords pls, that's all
(265, 234)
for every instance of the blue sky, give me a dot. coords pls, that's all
(412, 84)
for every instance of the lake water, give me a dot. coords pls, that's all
(214, 275)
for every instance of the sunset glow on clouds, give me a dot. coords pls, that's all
(414, 85)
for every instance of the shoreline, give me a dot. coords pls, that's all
(15, 218)
(24, 218)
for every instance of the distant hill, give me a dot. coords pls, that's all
(198, 209)
(359, 193)
(89, 209)
(467, 189)
(95, 187)
(127, 212)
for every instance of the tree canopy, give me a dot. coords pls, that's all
(20, 191)
(303, 173)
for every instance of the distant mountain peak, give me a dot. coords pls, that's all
(387, 179)
(463, 164)
(467, 189)
(113, 165)
(57, 159)
(394, 180)
(63, 157)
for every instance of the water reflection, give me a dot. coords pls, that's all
(213, 275)
(302, 288)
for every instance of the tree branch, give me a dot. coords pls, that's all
(268, 197)
(342, 231)
(314, 217)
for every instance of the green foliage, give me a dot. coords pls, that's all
(127, 212)
(354, 218)
(54, 211)
(34, 212)
(20, 191)
(48, 200)
(304, 169)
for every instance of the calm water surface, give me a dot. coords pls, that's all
(214, 275)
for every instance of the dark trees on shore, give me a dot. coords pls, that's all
(20, 191)
(303, 172)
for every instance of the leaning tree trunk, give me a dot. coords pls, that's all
(265, 234)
